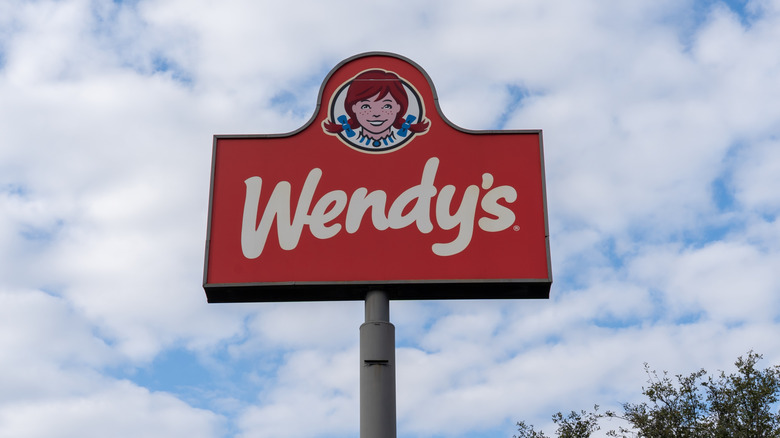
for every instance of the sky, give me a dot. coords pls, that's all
(661, 124)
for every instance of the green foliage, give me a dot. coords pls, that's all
(741, 404)
(672, 410)
(574, 425)
(738, 405)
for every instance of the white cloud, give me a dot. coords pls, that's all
(758, 177)
(315, 393)
(730, 282)
(302, 326)
(106, 118)
(119, 409)
(46, 335)
(51, 366)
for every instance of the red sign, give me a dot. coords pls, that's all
(377, 191)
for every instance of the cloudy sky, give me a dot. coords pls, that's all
(661, 123)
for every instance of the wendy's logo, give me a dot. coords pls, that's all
(376, 112)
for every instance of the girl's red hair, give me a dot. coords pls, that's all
(375, 83)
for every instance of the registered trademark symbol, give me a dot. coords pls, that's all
(516, 228)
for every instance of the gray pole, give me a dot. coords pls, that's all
(377, 369)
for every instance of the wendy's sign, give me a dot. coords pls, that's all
(377, 191)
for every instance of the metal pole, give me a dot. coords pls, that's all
(377, 369)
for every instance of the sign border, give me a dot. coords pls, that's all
(396, 289)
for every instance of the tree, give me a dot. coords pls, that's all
(574, 425)
(738, 405)
(672, 410)
(741, 404)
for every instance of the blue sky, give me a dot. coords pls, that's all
(662, 147)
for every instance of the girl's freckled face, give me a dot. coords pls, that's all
(376, 116)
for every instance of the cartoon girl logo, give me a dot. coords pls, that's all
(376, 111)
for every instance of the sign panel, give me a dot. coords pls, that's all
(377, 191)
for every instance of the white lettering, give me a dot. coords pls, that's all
(413, 206)
(504, 217)
(463, 219)
(361, 201)
(321, 215)
(289, 233)
(422, 193)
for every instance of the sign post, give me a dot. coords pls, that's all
(377, 369)
(377, 197)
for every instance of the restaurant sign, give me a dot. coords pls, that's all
(377, 191)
